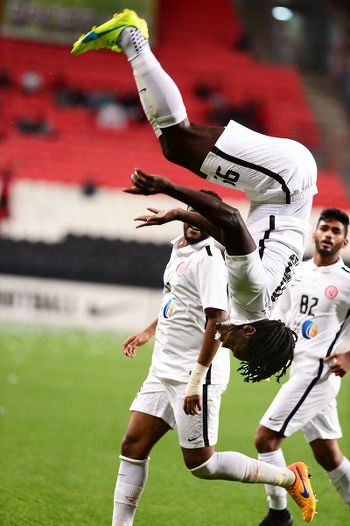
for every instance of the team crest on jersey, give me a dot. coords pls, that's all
(168, 309)
(180, 267)
(331, 292)
(309, 329)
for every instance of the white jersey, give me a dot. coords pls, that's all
(268, 169)
(316, 305)
(194, 279)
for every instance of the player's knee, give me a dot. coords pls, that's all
(206, 470)
(132, 446)
(169, 148)
(262, 442)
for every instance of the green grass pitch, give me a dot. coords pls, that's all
(64, 401)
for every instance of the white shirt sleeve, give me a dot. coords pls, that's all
(211, 279)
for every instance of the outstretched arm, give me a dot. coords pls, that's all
(160, 217)
(136, 340)
(235, 235)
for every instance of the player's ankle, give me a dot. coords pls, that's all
(132, 42)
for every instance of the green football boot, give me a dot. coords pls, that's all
(108, 34)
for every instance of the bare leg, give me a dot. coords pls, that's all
(188, 144)
(267, 440)
(142, 433)
(329, 456)
(182, 142)
(196, 457)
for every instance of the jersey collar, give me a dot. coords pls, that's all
(328, 268)
(191, 248)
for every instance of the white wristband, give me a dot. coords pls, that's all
(194, 386)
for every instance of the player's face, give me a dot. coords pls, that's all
(192, 234)
(329, 237)
(235, 337)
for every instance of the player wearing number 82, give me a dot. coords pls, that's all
(316, 305)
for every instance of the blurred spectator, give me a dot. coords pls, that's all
(346, 85)
(6, 175)
(210, 90)
(59, 86)
(95, 99)
(248, 114)
(32, 81)
(5, 78)
(3, 127)
(243, 43)
(35, 124)
(132, 104)
(69, 95)
(113, 116)
(89, 187)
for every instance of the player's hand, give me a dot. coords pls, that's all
(158, 217)
(146, 184)
(339, 363)
(192, 404)
(133, 342)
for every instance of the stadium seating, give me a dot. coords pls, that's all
(54, 230)
(79, 149)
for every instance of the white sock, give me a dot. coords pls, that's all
(131, 480)
(160, 97)
(230, 465)
(276, 496)
(340, 478)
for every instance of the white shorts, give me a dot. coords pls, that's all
(281, 242)
(308, 404)
(164, 399)
(255, 284)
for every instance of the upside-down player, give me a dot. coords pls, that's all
(278, 175)
(264, 346)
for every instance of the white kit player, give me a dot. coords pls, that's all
(317, 306)
(264, 346)
(194, 300)
(278, 176)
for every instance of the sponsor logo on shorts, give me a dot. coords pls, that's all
(309, 329)
(180, 267)
(168, 309)
(331, 292)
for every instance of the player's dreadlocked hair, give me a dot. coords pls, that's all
(269, 350)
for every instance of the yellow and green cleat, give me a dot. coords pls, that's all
(301, 491)
(108, 34)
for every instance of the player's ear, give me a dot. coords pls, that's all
(313, 237)
(345, 243)
(248, 330)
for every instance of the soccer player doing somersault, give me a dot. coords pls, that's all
(278, 176)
